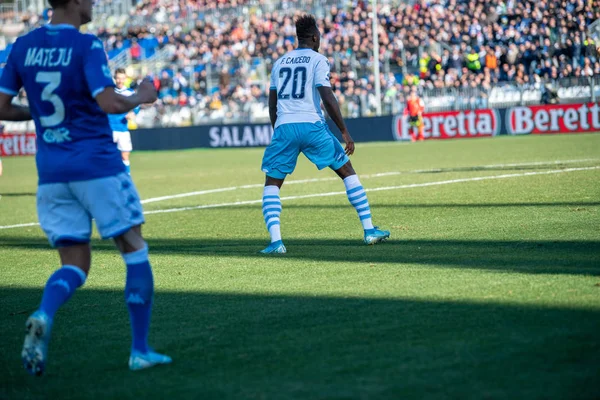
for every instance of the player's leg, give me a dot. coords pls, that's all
(412, 124)
(324, 150)
(420, 127)
(358, 199)
(125, 158)
(126, 148)
(0, 167)
(279, 160)
(115, 205)
(271, 208)
(68, 227)
(123, 141)
(139, 294)
(75, 259)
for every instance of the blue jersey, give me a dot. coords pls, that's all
(118, 122)
(62, 71)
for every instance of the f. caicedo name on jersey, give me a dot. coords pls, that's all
(295, 60)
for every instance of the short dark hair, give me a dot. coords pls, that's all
(306, 26)
(58, 3)
(120, 71)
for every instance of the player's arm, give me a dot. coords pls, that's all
(333, 109)
(322, 70)
(273, 106)
(10, 84)
(101, 85)
(112, 102)
(12, 112)
(273, 94)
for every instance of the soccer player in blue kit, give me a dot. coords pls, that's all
(299, 80)
(119, 122)
(81, 176)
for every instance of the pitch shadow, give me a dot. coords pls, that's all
(531, 256)
(234, 346)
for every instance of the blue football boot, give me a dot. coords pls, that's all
(376, 235)
(275, 248)
(35, 348)
(138, 361)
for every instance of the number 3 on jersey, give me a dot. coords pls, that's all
(299, 75)
(52, 81)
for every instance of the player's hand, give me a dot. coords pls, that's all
(349, 143)
(147, 92)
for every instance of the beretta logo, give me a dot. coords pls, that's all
(21, 144)
(450, 125)
(563, 118)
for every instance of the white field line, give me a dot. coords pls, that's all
(377, 189)
(19, 225)
(378, 175)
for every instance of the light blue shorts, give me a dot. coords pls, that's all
(315, 140)
(65, 210)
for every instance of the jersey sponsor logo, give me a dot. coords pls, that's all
(17, 144)
(452, 124)
(56, 135)
(52, 57)
(564, 118)
(240, 136)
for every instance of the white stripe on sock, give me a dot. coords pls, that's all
(358, 200)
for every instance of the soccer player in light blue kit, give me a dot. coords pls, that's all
(299, 80)
(81, 176)
(119, 122)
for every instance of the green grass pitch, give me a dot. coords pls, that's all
(488, 289)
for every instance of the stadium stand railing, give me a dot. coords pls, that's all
(568, 90)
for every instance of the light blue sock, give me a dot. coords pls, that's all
(139, 291)
(271, 211)
(60, 287)
(127, 166)
(358, 198)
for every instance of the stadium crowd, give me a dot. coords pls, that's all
(218, 63)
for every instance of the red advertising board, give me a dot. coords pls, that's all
(559, 118)
(451, 125)
(17, 144)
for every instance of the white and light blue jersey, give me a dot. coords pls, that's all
(62, 71)
(118, 122)
(296, 77)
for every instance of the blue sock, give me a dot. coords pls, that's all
(358, 198)
(139, 290)
(272, 211)
(127, 166)
(60, 287)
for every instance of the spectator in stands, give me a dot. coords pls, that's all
(472, 60)
(549, 95)
(135, 50)
(491, 60)
(208, 48)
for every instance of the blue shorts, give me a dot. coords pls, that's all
(315, 140)
(65, 210)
